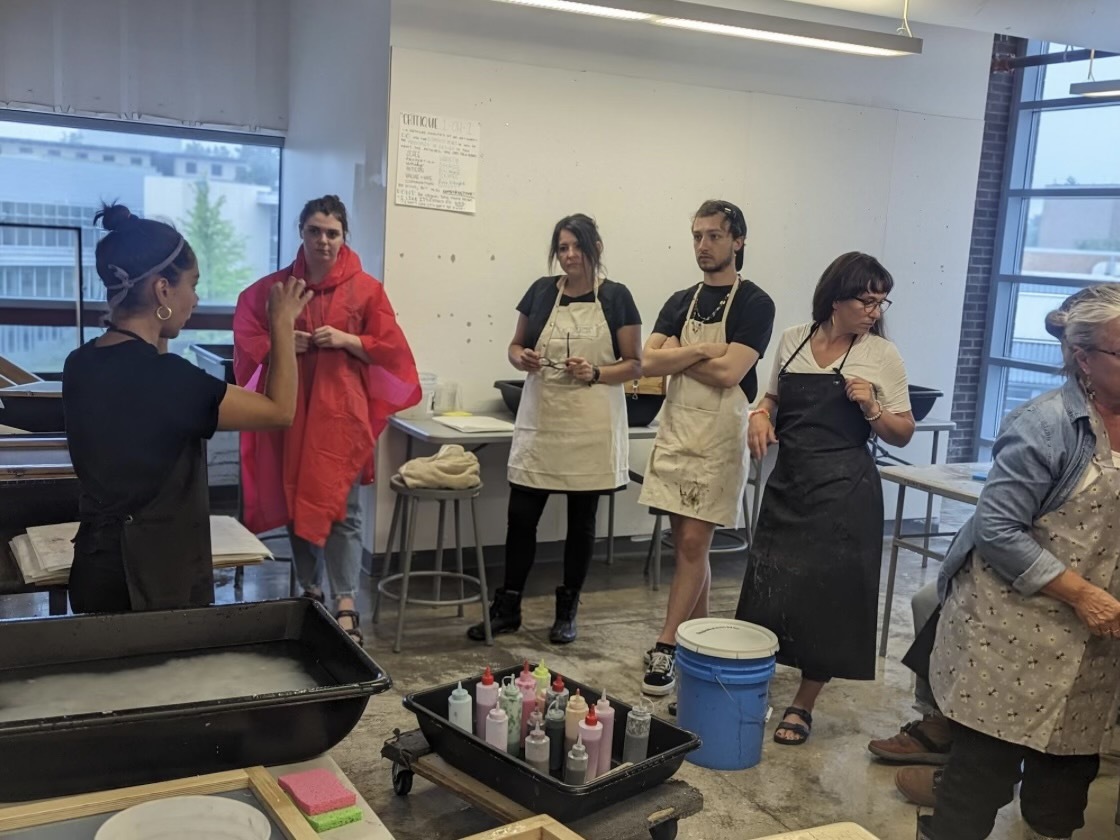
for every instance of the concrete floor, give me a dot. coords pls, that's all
(831, 779)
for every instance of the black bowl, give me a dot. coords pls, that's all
(639, 412)
(922, 400)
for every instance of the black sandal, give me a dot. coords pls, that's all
(353, 632)
(802, 730)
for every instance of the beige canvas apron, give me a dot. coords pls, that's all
(568, 436)
(1025, 669)
(698, 466)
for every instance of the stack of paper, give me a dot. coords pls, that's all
(45, 552)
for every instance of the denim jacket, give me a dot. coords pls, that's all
(1043, 449)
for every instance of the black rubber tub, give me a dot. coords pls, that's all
(38, 411)
(55, 756)
(639, 412)
(922, 400)
(540, 792)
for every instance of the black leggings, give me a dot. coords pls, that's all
(980, 779)
(525, 509)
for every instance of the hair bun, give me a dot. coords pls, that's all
(1056, 323)
(112, 216)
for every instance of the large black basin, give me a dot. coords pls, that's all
(55, 756)
(639, 412)
(922, 400)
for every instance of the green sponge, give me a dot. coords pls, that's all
(333, 819)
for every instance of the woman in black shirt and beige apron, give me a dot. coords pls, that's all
(813, 569)
(578, 338)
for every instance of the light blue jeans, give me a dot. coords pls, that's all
(341, 555)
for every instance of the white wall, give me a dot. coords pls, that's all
(825, 154)
(338, 101)
(212, 62)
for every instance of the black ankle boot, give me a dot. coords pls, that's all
(505, 616)
(564, 628)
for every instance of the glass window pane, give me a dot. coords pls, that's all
(1008, 388)
(1077, 147)
(38, 349)
(1072, 237)
(1058, 77)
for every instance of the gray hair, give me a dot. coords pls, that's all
(1078, 321)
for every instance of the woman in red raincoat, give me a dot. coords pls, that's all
(355, 369)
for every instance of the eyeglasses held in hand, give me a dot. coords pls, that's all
(549, 363)
(871, 305)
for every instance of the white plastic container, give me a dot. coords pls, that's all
(188, 818)
(459, 708)
(422, 409)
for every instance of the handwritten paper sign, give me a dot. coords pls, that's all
(437, 162)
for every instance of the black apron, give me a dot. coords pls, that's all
(157, 557)
(813, 569)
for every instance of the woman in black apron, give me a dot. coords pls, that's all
(136, 418)
(813, 570)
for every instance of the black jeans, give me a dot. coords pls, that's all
(980, 779)
(525, 509)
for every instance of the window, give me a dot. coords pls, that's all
(216, 170)
(191, 167)
(1060, 226)
(46, 202)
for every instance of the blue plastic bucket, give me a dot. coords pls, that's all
(724, 668)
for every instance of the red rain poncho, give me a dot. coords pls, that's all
(303, 475)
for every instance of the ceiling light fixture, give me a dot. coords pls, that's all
(1091, 87)
(717, 21)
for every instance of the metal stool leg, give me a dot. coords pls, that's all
(386, 565)
(893, 568)
(406, 570)
(439, 551)
(484, 595)
(610, 530)
(459, 553)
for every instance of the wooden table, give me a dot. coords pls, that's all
(950, 481)
(649, 815)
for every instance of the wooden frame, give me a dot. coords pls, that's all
(273, 800)
(542, 827)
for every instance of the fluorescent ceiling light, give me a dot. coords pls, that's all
(718, 21)
(1105, 88)
(582, 8)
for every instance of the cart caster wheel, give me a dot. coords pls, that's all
(402, 780)
(664, 831)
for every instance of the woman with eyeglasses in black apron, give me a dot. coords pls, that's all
(136, 419)
(813, 570)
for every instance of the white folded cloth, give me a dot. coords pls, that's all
(452, 468)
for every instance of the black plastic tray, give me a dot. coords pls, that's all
(540, 792)
(641, 409)
(75, 754)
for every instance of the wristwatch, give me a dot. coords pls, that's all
(595, 372)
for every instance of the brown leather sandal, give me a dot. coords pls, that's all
(353, 632)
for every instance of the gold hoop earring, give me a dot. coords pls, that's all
(160, 313)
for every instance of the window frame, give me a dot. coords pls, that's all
(1024, 119)
(83, 312)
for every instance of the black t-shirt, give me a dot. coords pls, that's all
(750, 321)
(618, 308)
(130, 411)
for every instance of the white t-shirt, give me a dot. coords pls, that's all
(872, 358)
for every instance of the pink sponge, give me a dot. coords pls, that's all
(317, 791)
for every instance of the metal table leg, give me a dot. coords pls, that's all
(929, 503)
(893, 569)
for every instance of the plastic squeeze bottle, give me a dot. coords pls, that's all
(497, 729)
(636, 746)
(485, 699)
(575, 767)
(556, 692)
(604, 711)
(591, 734)
(459, 708)
(576, 711)
(537, 749)
(542, 676)
(527, 684)
(554, 729)
(509, 701)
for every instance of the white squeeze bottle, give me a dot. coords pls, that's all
(575, 765)
(485, 699)
(497, 729)
(536, 750)
(573, 714)
(635, 747)
(591, 733)
(459, 708)
(527, 684)
(604, 711)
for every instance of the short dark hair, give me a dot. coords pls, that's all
(328, 205)
(133, 248)
(846, 278)
(586, 232)
(733, 217)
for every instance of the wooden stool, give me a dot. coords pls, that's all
(404, 519)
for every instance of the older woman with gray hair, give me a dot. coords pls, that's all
(1026, 665)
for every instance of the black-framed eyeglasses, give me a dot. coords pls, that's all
(1115, 353)
(549, 363)
(871, 305)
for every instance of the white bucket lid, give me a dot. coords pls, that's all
(727, 638)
